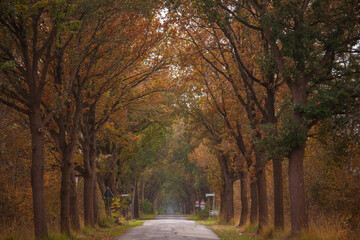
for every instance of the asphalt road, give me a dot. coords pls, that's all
(174, 227)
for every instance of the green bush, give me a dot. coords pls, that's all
(57, 236)
(106, 222)
(117, 207)
(147, 206)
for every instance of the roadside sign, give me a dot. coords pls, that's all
(197, 203)
(108, 194)
(202, 204)
(108, 198)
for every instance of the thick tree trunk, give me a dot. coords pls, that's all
(229, 200)
(262, 191)
(222, 204)
(89, 199)
(228, 189)
(244, 199)
(89, 157)
(37, 172)
(299, 217)
(65, 197)
(277, 164)
(254, 213)
(96, 201)
(278, 195)
(74, 209)
(88, 188)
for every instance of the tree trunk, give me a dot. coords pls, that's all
(37, 172)
(278, 195)
(229, 200)
(142, 191)
(65, 197)
(262, 191)
(277, 164)
(132, 209)
(244, 199)
(222, 204)
(229, 196)
(89, 157)
(254, 213)
(95, 201)
(88, 187)
(74, 209)
(136, 202)
(188, 208)
(299, 218)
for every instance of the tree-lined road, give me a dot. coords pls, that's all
(174, 227)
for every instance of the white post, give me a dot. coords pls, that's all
(213, 208)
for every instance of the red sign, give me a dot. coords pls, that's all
(202, 204)
(197, 203)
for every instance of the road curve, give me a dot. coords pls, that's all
(169, 227)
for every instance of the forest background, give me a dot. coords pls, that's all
(257, 101)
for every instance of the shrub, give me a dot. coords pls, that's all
(147, 207)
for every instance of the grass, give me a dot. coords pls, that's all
(107, 229)
(325, 228)
(108, 232)
(148, 217)
(226, 231)
(232, 233)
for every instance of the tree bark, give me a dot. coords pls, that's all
(299, 217)
(277, 164)
(74, 209)
(278, 195)
(65, 198)
(88, 186)
(136, 202)
(244, 199)
(37, 172)
(254, 213)
(228, 198)
(89, 199)
(95, 201)
(89, 157)
(222, 204)
(262, 191)
(142, 191)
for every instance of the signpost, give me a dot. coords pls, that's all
(202, 204)
(212, 212)
(108, 197)
(197, 204)
(131, 209)
(211, 195)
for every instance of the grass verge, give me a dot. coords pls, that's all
(148, 217)
(108, 232)
(226, 231)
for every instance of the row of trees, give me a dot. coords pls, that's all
(247, 83)
(76, 69)
(260, 77)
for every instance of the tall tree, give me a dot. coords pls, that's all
(306, 39)
(28, 34)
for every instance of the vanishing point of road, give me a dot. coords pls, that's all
(170, 227)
